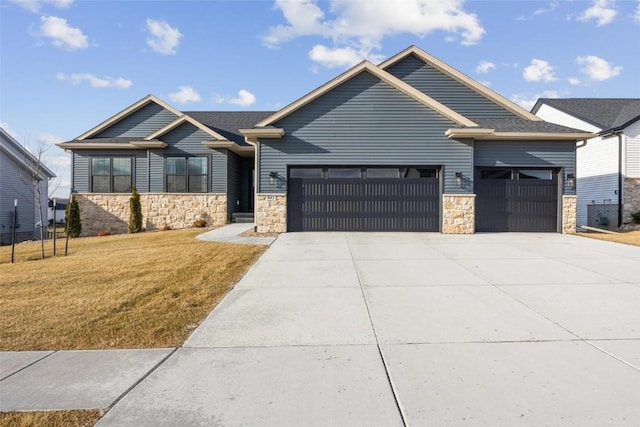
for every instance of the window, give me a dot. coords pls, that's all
(495, 174)
(373, 173)
(535, 174)
(186, 174)
(305, 173)
(111, 174)
(420, 173)
(344, 173)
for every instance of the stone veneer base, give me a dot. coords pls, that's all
(631, 199)
(110, 211)
(271, 213)
(458, 213)
(569, 214)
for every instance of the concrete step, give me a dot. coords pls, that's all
(243, 217)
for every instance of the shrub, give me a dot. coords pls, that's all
(636, 217)
(135, 212)
(165, 227)
(104, 233)
(73, 226)
(199, 223)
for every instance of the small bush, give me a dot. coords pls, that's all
(104, 233)
(636, 217)
(200, 223)
(73, 226)
(135, 212)
(165, 227)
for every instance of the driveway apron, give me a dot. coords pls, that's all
(383, 329)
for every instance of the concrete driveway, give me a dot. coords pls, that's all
(384, 329)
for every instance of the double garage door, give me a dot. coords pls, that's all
(363, 199)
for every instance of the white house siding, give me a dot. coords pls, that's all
(632, 150)
(596, 163)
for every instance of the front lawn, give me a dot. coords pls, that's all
(628, 237)
(126, 291)
(76, 418)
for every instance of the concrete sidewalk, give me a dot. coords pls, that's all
(230, 233)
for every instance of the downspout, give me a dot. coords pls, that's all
(619, 179)
(254, 143)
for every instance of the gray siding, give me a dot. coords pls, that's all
(16, 184)
(81, 177)
(364, 121)
(446, 90)
(156, 171)
(233, 183)
(218, 171)
(559, 154)
(139, 124)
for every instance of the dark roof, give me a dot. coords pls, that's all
(118, 140)
(228, 123)
(516, 124)
(605, 113)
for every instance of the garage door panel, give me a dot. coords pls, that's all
(353, 204)
(517, 205)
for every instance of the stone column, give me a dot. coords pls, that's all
(631, 197)
(458, 213)
(569, 209)
(271, 213)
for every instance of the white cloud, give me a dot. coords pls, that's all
(527, 101)
(61, 34)
(484, 67)
(244, 99)
(636, 16)
(7, 128)
(573, 81)
(597, 69)
(539, 71)
(48, 139)
(185, 94)
(97, 82)
(550, 8)
(341, 57)
(603, 11)
(35, 5)
(164, 38)
(360, 25)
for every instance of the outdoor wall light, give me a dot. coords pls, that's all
(273, 177)
(571, 180)
(459, 179)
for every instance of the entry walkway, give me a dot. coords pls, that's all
(230, 233)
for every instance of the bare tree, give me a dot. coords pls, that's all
(37, 176)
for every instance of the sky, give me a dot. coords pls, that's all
(68, 65)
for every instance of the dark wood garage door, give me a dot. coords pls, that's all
(517, 200)
(363, 199)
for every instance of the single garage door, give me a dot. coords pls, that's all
(516, 200)
(363, 199)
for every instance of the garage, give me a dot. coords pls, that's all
(516, 199)
(379, 198)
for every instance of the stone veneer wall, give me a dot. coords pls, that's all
(458, 213)
(631, 199)
(569, 210)
(271, 213)
(110, 211)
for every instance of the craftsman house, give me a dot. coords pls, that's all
(411, 144)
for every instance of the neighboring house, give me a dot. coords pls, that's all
(20, 171)
(409, 145)
(608, 165)
(60, 208)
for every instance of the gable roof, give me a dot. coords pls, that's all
(605, 113)
(180, 121)
(370, 68)
(516, 128)
(461, 78)
(126, 112)
(229, 123)
(22, 156)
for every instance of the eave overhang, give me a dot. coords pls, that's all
(254, 133)
(244, 151)
(491, 134)
(133, 145)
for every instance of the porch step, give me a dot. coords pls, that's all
(242, 217)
